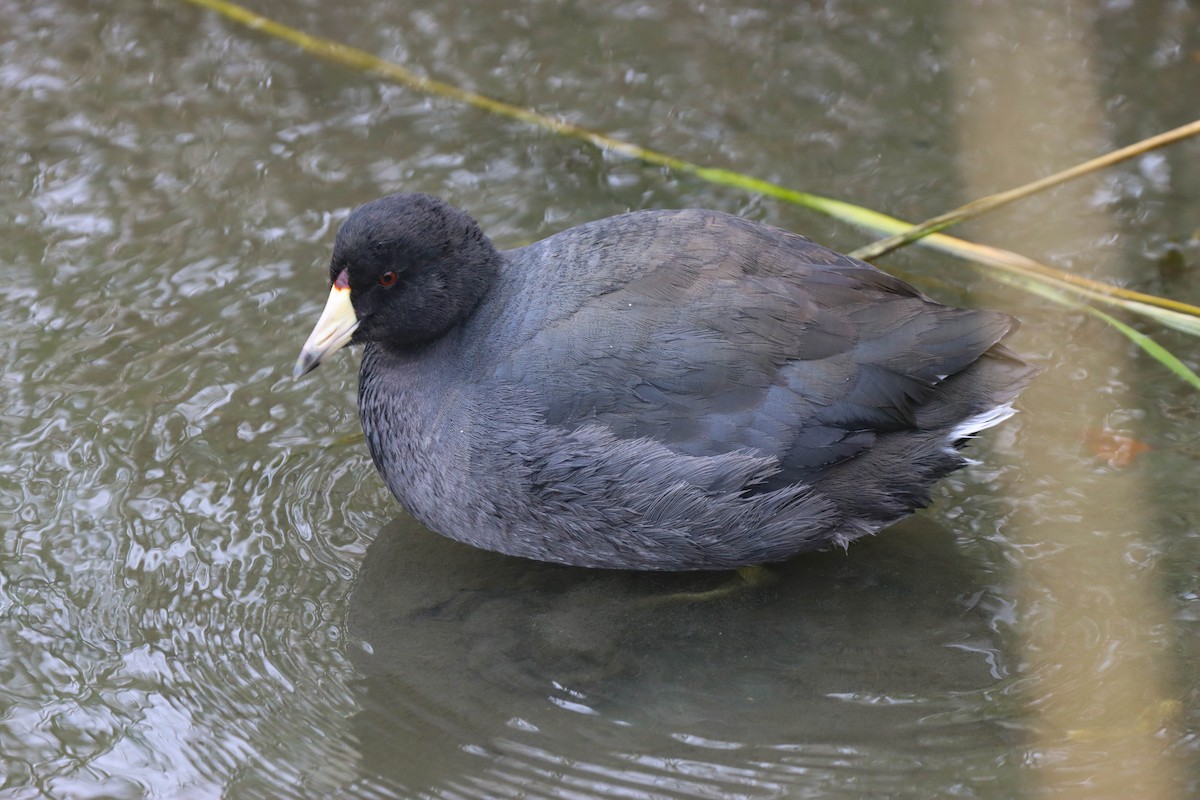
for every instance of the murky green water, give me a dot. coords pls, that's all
(205, 590)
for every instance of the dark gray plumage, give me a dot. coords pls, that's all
(658, 390)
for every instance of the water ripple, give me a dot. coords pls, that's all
(201, 594)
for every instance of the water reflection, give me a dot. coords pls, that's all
(490, 676)
(1091, 636)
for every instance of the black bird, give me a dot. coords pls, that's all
(664, 390)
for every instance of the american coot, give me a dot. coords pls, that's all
(660, 390)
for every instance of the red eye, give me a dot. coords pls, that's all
(387, 279)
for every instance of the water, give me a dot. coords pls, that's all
(205, 590)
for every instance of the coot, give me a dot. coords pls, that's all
(662, 390)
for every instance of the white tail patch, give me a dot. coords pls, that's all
(982, 421)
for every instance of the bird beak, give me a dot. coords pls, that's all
(333, 331)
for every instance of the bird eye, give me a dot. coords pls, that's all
(387, 279)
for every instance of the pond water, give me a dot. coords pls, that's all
(206, 591)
